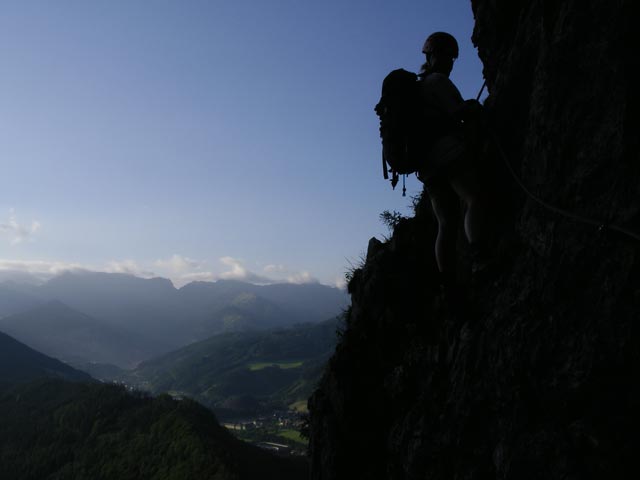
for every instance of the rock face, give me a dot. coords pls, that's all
(534, 375)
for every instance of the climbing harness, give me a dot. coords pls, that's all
(601, 226)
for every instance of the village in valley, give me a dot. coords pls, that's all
(279, 431)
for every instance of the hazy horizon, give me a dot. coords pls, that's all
(22, 277)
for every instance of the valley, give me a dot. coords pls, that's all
(251, 355)
(257, 383)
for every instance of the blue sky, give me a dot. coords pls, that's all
(198, 139)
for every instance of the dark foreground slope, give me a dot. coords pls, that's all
(20, 363)
(54, 429)
(536, 375)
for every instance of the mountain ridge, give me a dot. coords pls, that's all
(150, 316)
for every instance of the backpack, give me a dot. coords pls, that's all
(407, 126)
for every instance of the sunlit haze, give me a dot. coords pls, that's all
(198, 140)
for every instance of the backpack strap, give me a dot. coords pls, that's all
(394, 179)
(384, 167)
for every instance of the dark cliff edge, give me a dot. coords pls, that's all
(537, 377)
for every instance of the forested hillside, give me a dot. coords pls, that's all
(55, 429)
(260, 370)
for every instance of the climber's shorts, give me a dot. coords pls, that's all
(445, 157)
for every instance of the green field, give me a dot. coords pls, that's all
(299, 406)
(271, 433)
(284, 365)
(293, 435)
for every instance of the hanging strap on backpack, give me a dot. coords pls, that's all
(384, 167)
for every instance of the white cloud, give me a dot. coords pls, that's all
(197, 277)
(129, 267)
(179, 269)
(284, 274)
(340, 283)
(182, 270)
(16, 232)
(301, 277)
(41, 269)
(237, 271)
(178, 263)
(45, 269)
(274, 269)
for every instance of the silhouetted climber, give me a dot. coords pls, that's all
(449, 173)
(427, 128)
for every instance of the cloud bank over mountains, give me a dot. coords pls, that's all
(180, 269)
